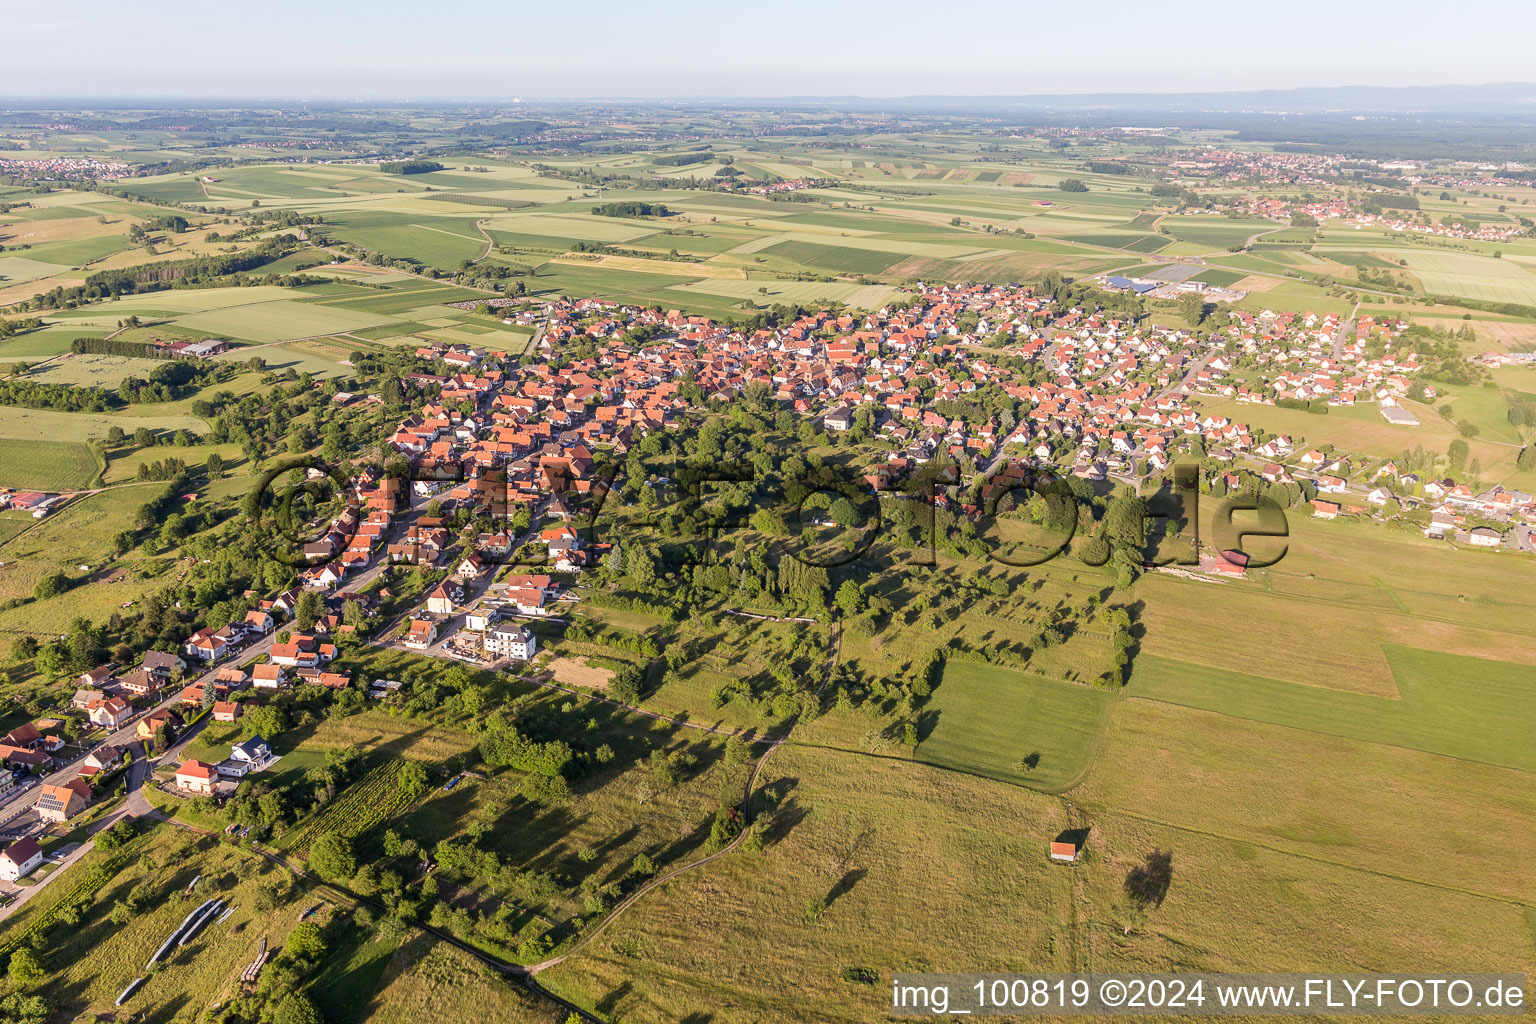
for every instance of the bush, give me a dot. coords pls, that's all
(51, 585)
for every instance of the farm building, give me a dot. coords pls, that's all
(1064, 851)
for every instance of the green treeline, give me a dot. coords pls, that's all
(410, 167)
(109, 347)
(682, 159)
(631, 209)
(148, 277)
(1377, 202)
(63, 397)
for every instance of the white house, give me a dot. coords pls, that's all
(250, 756)
(20, 859)
(266, 677)
(512, 641)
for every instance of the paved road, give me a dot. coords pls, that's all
(1344, 332)
(135, 806)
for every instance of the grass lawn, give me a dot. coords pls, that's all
(984, 719)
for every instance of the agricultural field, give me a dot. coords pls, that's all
(47, 465)
(1472, 277)
(1006, 724)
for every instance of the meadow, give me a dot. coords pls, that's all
(860, 838)
(1470, 708)
(93, 962)
(47, 465)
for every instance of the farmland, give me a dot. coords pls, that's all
(47, 465)
(987, 720)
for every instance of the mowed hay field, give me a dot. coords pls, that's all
(984, 719)
(1469, 708)
(1369, 805)
(1236, 905)
(47, 465)
(1472, 277)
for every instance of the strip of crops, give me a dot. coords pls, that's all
(473, 200)
(371, 800)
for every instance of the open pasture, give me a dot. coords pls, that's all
(1368, 805)
(1469, 708)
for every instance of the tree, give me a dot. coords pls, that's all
(332, 858)
(26, 968)
(1191, 308)
(296, 1007)
(412, 780)
(1456, 452)
(20, 1009)
(266, 721)
(308, 611)
(1072, 185)
(850, 598)
(306, 942)
(51, 585)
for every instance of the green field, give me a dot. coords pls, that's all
(1215, 232)
(91, 370)
(47, 424)
(47, 465)
(1472, 277)
(1462, 707)
(836, 257)
(984, 719)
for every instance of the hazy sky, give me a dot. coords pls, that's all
(394, 49)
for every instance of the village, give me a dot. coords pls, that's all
(1098, 396)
